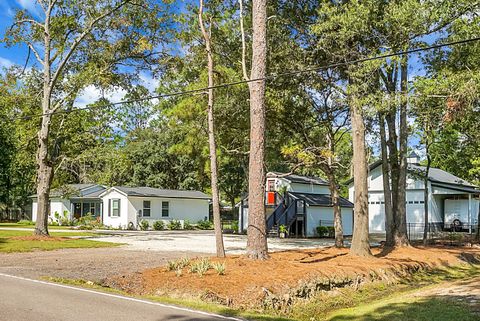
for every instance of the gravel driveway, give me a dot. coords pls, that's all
(142, 250)
(200, 241)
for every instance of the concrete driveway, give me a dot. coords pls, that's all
(200, 241)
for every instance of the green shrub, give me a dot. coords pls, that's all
(174, 225)
(326, 231)
(205, 225)
(25, 222)
(187, 225)
(53, 223)
(158, 225)
(144, 225)
(63, 219)
(235, 226)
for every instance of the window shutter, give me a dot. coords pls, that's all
(119, 203)
(109, 207)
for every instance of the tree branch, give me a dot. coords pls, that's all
(244, 45)
(82, 36)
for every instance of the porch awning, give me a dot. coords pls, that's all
(320, 199)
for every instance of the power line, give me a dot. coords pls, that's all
(268, 77)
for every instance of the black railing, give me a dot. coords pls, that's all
(442, 232)
(273, 218)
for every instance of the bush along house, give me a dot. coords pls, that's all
(297, 205)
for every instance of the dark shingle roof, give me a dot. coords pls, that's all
(157, 192)
(77, 191)
(320, 199)
(298, 178)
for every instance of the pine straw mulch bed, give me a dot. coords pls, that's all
(290, 274)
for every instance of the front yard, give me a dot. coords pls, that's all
(24, 241)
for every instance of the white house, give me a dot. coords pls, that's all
(452, 200)
(121, 206)
(127, 206)
(300, 203)
(74, 200)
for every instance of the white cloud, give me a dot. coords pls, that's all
(6, 63)
(31, 6)
(91, 94)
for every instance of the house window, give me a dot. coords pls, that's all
(146, 208)
(270, 185)
(115, 207)
(165, 209)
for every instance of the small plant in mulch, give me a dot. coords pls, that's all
(178, 272)
(178, 264)
(183, 262)
(201, 267)
(219, 268)
(171, 265)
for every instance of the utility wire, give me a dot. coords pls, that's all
(268, 77)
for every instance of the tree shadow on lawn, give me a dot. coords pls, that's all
(420, 309)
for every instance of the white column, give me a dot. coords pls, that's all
(470, 213)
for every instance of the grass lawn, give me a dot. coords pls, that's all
(50, 227)
(9, 241)
(398, 308)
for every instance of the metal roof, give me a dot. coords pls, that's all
(320, 199)
(292, 178)
(157, 192)
(436, 175)
(439, 175)
(76, 191)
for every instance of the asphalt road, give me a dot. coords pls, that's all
(26, 299)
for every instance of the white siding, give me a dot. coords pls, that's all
(297, 187)
(317, 213)
(181, 209)
(57, 205)
(308, 188)
(127, 213)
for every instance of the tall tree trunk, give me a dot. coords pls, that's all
(393, 160)
(257, 237)
(44, 166)
(360, 242)
(337, 212)
(400, 236)
(387, 192)
(426, 191)
(211, 140)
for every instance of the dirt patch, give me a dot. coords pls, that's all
(290, 273)
(91, 264)
(38, 238)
